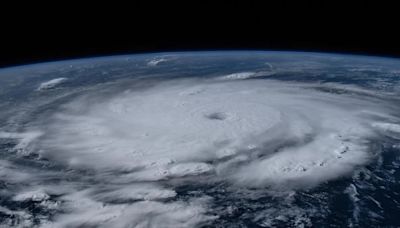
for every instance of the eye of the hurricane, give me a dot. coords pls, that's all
(216, 116)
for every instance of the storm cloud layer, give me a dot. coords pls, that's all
(283, 132)
(124, 155)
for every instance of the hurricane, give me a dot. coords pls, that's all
(242, 148)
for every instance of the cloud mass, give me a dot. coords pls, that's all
(185, 152)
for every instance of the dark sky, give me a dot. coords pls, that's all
(73, 31)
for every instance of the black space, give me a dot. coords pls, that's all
(63, 31)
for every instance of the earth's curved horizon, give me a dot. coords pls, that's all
(201, 139)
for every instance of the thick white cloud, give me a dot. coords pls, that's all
(143, 191)
(51, 83)
(286, 132)
(246, 75)
(154, 62)
(86, 212)
(35, 195)
(390, 127)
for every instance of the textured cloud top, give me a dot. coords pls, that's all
(283, 132)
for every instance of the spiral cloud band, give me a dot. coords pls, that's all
(283, 132)
(138, 146)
